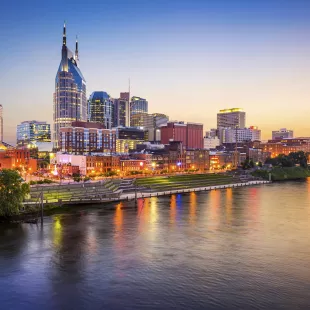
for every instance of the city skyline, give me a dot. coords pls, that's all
(177, 55)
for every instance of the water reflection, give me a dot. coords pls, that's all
(173, 209)
(228, 205)
(57, 232)
(236, 248)
(192, 207)
(213, 211)
(118, 217)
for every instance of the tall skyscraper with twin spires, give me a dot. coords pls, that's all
(70, 103)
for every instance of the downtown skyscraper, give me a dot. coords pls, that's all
(70, 103)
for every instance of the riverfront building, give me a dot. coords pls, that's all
(70, 102)
(100, 107)
(30, 132)
(86, 137)
(286, 146)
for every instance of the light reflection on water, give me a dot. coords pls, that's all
(234, 248)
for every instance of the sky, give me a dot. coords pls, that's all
(189, 59)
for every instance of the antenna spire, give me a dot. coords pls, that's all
(64, 38)
(76, 48)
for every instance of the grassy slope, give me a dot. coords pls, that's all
(184, 181)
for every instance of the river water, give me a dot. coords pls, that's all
(242, 248)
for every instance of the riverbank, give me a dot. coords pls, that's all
(32, 210)
(283, 173)
(54, 207)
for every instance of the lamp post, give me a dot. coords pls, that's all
(179, 165)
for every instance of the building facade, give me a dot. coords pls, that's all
(229, 135)
(151, 123)
(210, 142)
(70, 102)
(190, 134)
(11, 158)
(30, 132)
(100, 107)
(283, 133)
(128, 138)
(286, 146)
(85, 137)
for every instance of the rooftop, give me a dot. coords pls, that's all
(232, 110)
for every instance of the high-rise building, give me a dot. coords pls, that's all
(100, 107)
(231, 118)
(121, 111)
(138, 105)
(29, 132)
(151, 123)
(70, 103)
(190, 134)
(229, 135)
(1, 123)
(283, 133)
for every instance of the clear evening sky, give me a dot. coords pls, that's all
(188, 58)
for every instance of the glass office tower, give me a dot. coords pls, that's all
(100, 107)
(33, 131)
(70, 103)
(137, 105)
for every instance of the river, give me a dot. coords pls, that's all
(242, 248)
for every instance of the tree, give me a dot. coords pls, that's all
(76, 177)
(12, 192)
(281, 160)
(251, 163)
(247, 164)
(299, 158)
(285, 161)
